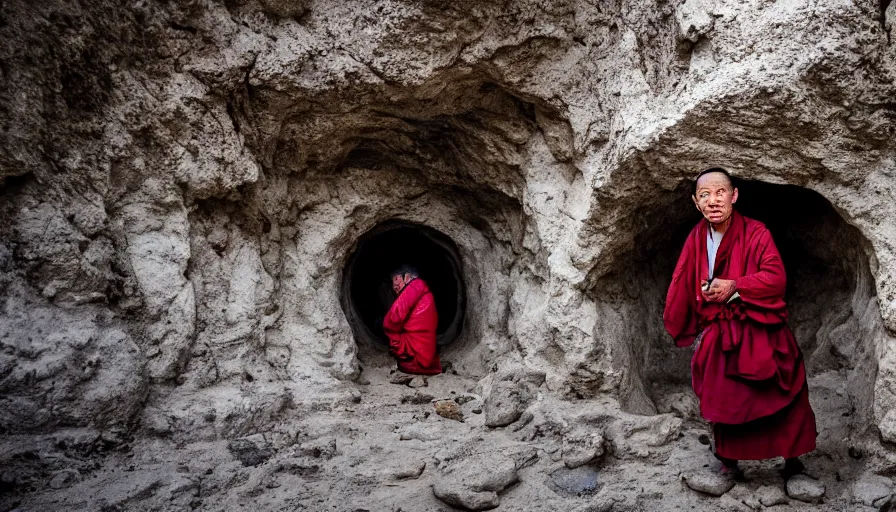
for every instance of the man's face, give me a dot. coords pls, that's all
(398, 283)
(715, 197)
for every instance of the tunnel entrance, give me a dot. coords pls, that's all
(830, 292)
(366, 285)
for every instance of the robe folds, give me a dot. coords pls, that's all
(747, 370)
(411, 325)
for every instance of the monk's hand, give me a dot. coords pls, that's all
(720, 290)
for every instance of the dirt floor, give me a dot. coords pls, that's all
(382, 447)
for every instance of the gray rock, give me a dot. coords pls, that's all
(251, 451)
(466, 498)
(581, 481)
(743, 495)
(730, 504)
(409, 471)
(285, 8)
(708, 482)
(504, 405)
(872, 490)
(512, 391)
(771, 495)
(887, 426)
(64, 478)
(473, 482)
(665, 429)
(683, 405)
(804, 488)
(581, 449)
(320, 448)
(418, 381)
(421, 431)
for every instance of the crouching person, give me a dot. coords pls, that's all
(411, 324)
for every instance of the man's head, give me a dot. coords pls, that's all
(715, 195)
(402, 276)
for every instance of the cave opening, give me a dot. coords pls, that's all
(366, 293)
(830, 291)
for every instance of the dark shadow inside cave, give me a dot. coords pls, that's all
(366, 286)
(829, 285)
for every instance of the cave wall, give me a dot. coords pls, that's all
(186, 181)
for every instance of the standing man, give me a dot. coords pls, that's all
(727, 292)
(411, 324)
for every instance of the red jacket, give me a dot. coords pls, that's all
(411, 326)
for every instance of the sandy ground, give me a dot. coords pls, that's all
(383, 449)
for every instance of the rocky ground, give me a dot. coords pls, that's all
(184, 187)
(380, 446)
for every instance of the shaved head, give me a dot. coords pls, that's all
(713, 171)
(714, 196)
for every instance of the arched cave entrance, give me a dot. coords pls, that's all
(830, 295)
(366, 293)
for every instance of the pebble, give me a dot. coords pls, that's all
(804, 488)
(448, 409)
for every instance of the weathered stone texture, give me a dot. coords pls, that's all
(182, 184)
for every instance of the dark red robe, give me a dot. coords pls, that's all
(747, 371)
(411, 326)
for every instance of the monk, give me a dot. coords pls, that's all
(727, 293)
(411, 324)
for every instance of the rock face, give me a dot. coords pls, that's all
(182, 185)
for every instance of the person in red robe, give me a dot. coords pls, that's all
(727, 293)
(411, 324)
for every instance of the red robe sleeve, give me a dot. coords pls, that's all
(679, 315)
(765, 287)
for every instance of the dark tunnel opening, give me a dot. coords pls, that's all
(366, 286)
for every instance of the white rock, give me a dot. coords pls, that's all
(804, 488)
(872, 490)
(708, 482)
(581, 449)
(771, 495)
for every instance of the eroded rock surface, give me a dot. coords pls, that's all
(183, 184)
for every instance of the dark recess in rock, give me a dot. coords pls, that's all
(366, 288)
